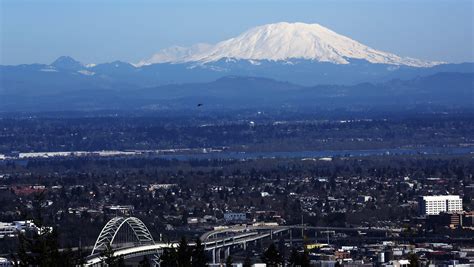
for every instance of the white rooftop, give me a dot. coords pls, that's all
(441, 197)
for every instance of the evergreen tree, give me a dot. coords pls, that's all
(168, 258)
(305, 258)
(80, 257)
(294, 259)
(247, 262)
(38, 249)
(184, 253)
(414, 261)
(108, 256)
(67, 258)
(120, 262)
(41, 247)
(299, 259)
(272, 256)
(228, 261)
(199, 257)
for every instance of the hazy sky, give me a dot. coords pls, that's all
(96, 31)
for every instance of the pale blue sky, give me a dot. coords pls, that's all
(96, 31)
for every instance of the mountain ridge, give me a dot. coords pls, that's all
(255, 92)
(43, 78)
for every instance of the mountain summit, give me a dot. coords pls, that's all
(67, 63)
(285, 41)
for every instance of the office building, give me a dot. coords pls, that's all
(434, 205)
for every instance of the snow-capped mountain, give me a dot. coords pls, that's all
(297, 53)
(282, 42)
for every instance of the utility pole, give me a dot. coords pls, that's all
(327, 233)
(302, 225)
(291, 236)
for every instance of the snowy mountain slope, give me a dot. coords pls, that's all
(175, 54)
(286, 41)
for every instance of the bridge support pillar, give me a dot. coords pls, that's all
(218, 256)
(227, 252)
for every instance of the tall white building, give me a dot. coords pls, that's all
(434, 205)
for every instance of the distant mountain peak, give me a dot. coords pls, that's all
(285, 41)
(175, 54)
(67, 63)
(119, 64)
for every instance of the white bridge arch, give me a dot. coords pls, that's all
(110, 230)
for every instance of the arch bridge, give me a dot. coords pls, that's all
(141, 236)
(213, 241)
(143, 243)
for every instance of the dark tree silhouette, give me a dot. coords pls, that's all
(294, 259)
(199, 257)
(169, 258)
(184, 253)
(272, 256)
(247, 262)
(110, 259)
(414, 261)
(299, 259)
(40, 248)
(228, 261)
(305, 258)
